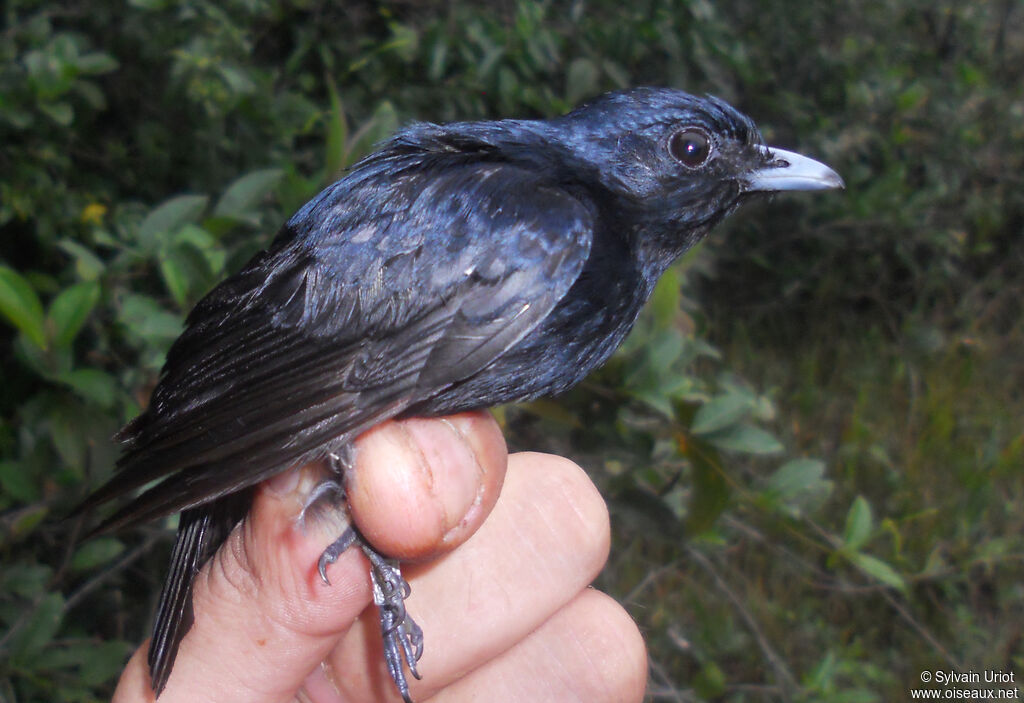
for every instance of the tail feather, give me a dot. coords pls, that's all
(201, 531)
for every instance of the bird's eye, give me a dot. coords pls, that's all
(691, 147)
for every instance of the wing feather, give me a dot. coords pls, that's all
(371, 300)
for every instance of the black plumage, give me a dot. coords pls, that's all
(458, 267)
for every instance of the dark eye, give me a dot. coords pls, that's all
(690, 146)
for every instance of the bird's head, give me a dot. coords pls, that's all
(679, 162)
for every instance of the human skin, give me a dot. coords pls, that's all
(503, 549)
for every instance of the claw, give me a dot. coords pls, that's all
(403, 638)
(335, 550)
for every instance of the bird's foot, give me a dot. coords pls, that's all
(403, 638)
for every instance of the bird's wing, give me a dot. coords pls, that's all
(378, 294)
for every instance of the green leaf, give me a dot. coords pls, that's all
(858, 524)
(236, 79)
(70, 310)
(240, 197)
(144, 317)
(169, 216)
(96, 62)
(41, 627)
(655, 399)
(877, 569)
(721, 412)
(619, 76)
(710, 682)
(664, 302)
(700, 347)
(190, 263)
(65, 424)
(822, 674)
(175, 275)
(383, 122)
(25, 580)
(59, 112)
(91, 93)
(96, 552)
(195, 235)
(337, 133)
(404, 41)
(88, 266)
(40, 360)
(710, 492)
(437, 62)
(103, 662)
(20, 304)
(936, 563)
(296, 189)
(796, 476)
(797, 487)
(93, 385)
(25, 521)
(996, 549)
(580, 80)
(19, 119)
(16, 481)
(664, 349)
(745, 438)
(647, 367)
(203, 253)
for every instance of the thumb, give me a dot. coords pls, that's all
(264, 620)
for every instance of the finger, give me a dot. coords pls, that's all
(421, 487)
(263, 617)
(590, 650)
(544, 542)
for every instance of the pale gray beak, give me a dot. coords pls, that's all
(787, 170)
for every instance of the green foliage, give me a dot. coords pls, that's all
(918, 106)
(21, 306)
(920, 556)
(823, 532)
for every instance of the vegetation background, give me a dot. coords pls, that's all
(812, 444)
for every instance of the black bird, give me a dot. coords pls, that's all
(458, 267)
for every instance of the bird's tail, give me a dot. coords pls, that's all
(201, 531)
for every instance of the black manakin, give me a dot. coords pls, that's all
(458, 267)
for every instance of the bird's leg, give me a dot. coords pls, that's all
(403, 638)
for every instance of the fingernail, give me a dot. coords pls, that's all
(451, 468)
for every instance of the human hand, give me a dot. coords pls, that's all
(504, 604)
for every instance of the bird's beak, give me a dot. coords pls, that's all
(787, 170)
